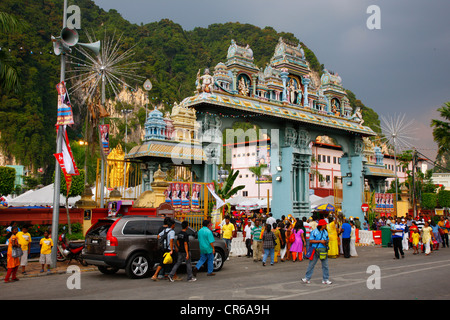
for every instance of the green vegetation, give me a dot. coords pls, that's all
(171, 56)
(7, 178)
(441, 134)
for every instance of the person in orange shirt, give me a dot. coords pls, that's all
(12, 263)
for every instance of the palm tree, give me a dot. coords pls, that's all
(9, 77)
(226, 191)
(441, 130)
(258, 172)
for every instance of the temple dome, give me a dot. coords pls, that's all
(155, 125)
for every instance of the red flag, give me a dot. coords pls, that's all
(68, 177)
(66, 161)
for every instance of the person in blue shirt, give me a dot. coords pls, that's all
(346, 230)
(397, 230)
(207, 251)
(318, 239)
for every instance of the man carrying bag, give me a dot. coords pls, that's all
(319, 240)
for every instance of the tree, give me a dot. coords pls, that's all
(7, 178)
(429, 201)
(258, 171)
(226, 190)
(9, 77)
(441, 129)
(444, 198)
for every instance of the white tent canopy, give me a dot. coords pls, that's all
(319, 201)
(40, 197)
(236, 200)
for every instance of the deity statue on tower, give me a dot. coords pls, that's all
(205, 82)
(358, 116)
(243, 88)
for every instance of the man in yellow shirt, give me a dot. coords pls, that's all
(46, 251)
(227, 232)
(24, 239)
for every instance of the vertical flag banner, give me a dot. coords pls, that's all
(104, 137)
(195, 197)
(176, 196)
(66, 161)
(168, 193)
(65, 115)
(185, 198)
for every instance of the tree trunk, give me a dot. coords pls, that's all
(68, 215)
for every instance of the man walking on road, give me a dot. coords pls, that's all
(207, 251)
(248, 238)
(319, 241)
(257, 244)
(397, 230)
(346, 233)
(227, 232)
(184, 254)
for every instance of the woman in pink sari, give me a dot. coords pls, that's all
(297, 246)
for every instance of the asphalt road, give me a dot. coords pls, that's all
(416, 277)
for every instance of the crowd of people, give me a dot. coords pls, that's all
(421, 233)
(19, 242)
(291, 237)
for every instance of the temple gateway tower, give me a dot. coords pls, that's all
(291, 104)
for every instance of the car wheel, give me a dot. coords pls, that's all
(138, 266)
(219, 259)
(107, 270)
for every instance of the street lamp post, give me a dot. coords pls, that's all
(57, 182)
(126, 112)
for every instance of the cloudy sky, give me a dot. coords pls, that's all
(400, 69)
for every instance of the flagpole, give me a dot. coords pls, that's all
(57, 183)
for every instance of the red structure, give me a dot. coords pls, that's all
(44, 215)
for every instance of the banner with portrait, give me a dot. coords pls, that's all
(184, 197)
(104, 138)
(64, 115)
(196, 196)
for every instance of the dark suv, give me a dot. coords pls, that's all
(130, 243)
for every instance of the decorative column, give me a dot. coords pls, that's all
(147, 174)
(234, 81)
(284, 77)
(305, 81)
(254, 84)
(353, 179)
(290, 186)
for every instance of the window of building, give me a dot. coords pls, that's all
(245, 193)
(328, 159)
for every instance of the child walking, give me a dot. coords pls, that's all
(46, 251)
(415, 238)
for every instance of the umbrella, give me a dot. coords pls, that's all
(326, 207)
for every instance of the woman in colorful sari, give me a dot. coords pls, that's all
(333, 245)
